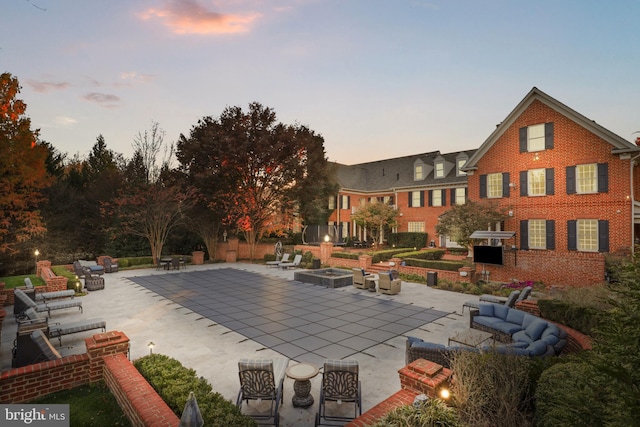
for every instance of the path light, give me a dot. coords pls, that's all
(151, 345)
(326, 238)
(36, 253)
(444, 393)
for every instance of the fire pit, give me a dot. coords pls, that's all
(327, 277)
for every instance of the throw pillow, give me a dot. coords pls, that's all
(535, 329)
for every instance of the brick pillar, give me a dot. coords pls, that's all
(40, 264)
(364, 261)
(424, 376)
(326, 249)
(101, 345)
(232, 249)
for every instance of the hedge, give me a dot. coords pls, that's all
(173, 382)
(436, 265)
(345, 255)
(433, 254)
(581, 318)
(408, 240)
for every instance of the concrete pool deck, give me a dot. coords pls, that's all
(213, 349)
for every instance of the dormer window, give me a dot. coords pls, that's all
(418, 172)
(439, 170)
(459, 165)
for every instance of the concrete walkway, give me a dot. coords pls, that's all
(213, 350)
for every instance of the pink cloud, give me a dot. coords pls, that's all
(44, 86)
(103, 99)
(189, 17)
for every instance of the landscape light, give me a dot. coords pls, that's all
(151, 345)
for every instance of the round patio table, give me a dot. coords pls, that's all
(301, 374)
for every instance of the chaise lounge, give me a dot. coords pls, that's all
(27, 303)
(58, 330)
(48, 296)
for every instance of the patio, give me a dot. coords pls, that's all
(209, 316)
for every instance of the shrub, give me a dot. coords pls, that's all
(415, 278)
(436, 265)
(345, 255)
(458, 251)
(408, 240)
(579, 317)
(386, 255)
(432, 254)
(492, 389)
(173, 382)
(569, 394)
(431, 413)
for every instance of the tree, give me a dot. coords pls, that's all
(22, 170)
(150, 204)
(249, 167)
(376, 217)
(461, 221)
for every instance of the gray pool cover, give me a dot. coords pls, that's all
(304, 322)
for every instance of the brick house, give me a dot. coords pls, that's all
(570, 186)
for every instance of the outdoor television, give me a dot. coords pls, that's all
(488, 255)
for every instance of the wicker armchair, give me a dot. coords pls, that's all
(389, 283)
(359, 276)
(419, 349)
(93, 283)
(109, 265)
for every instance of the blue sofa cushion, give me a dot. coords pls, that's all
(521, 337)
(413, 340)
(537, 348)
(488, 321)
(506, 327)
(501, 311)
(425, 344)
(486, 310)
(515, 316)
(536, 328)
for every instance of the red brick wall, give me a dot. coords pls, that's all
(572, 145)
(139, 401)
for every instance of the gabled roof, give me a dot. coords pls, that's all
(391, 174)
(620, 145)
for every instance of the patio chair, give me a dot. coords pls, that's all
(389, 283)
(501, 300)
(340, 384)
(93, 283)
(285, 258)
(58, 330)
(509, 302)
(262, 380)
(109, 265)
(359, 276)
(295, 263)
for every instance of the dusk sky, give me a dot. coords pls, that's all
(377, 79)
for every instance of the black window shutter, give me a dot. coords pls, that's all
(444, 197)
(524, 234)
(430, 198)
(523, 140)
(603, 177)
(505, 184)
(603, 235)
(551, 234)
(453, 197)
(410, 199)
(483, 186)
(422, 198)
(348, 202)
(391, 200)
(571, 180)
(572, 235)
(549, 185)
(341, 198)
(524, 186)
(548, 136)
(466, 194)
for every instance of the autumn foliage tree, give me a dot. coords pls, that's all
(22, 170)
(250, 165)
(461, 221)
(376, 217)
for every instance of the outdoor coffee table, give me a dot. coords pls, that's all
(301, 374)
(471, 337)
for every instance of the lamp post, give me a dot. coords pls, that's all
(36, 253)
(151, 345)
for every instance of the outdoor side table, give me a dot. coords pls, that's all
(302, 374)
(371, 280)
(471, 337)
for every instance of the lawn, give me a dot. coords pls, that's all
(90, 405)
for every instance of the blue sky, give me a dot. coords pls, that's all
(378, 79)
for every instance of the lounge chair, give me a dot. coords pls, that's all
(509, 302)
(285, 258)
(295, 263)
(48, 296)
(34, 348)
(262, 380)
(340, 384)
(501, 300)
(389, 283)
(92, 266)
(110, 266)
(46, 306)
(58, 330)
(359, 276)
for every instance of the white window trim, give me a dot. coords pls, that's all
(436, 195)
(418, 176)
(532, 244)
(537, 139)
(438, 173)
(530, 181)
(460, 172)
(415, 224)
(489, 194)
(579, 236)
(460, 199)
(595, 178)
